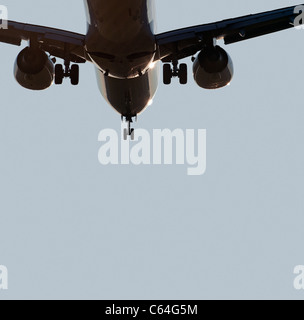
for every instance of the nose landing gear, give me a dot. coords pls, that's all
(129, 131)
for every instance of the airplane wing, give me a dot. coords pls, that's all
(182, 43)
(58, 43)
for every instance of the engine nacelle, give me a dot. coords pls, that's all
(34, 70)
(213, 68)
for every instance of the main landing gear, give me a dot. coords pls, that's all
(67, 72)
(129, 131)
(180, 71)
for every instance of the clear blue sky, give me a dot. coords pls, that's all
(71, 228)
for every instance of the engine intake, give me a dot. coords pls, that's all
(33, 69)
(213, 68)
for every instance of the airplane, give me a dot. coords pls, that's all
(121, 41)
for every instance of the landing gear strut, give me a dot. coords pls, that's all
(129, 131)
(180, 72)
(67, 72)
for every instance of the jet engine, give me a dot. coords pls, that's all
(34, 69)
(213, 68)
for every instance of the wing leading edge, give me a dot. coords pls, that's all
(182, 43)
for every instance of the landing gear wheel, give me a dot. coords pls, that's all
(132, 134)
(167, 74)
(67, 72)
(183, 74)
(74, 74)
(125, 134)
(59, 74)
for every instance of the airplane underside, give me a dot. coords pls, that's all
(122, 44)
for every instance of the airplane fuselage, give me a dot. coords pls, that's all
(121, 43)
